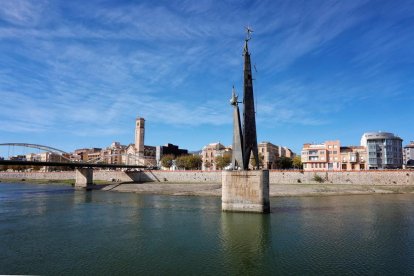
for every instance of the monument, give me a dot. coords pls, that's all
(245, 190)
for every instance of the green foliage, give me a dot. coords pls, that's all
(188, 162)
(166, 160)
(318, 178)
(297, 162)
(222, 161)
(284, 163)
(253, 161)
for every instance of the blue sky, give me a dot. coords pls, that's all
(76, 74)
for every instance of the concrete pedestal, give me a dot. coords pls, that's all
(245, 191)
(84, 178)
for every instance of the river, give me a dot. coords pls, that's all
(55, 230)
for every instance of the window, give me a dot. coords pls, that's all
(335, 152)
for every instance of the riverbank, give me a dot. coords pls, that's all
(291, 177)
(208, 183)
(276, 190)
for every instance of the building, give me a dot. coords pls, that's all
(408, 155)
(286, 152)
(85, 154)
(324, 156)
(270, 154)
(168, 149)
(353, 158)
(384, 150)
(113, 154)
(209, 154)
(138, 153)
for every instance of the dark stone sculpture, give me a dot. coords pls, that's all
(245, 141)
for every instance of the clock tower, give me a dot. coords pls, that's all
(139, 135)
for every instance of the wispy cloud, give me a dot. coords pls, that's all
(94, 67)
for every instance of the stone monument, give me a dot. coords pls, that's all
(245, 190)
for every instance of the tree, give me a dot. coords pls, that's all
(284, 163)
(222, 161)
(188, 162)
(167, 160)
(253, 161)
(297, 162)
(207, 164)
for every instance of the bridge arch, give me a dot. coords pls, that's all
(37, 146)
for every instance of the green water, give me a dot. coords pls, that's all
(54, 230)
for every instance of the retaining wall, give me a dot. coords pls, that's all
(396, 177)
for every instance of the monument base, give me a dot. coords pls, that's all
(245, 191)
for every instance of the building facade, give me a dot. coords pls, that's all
(331, 156)
(353, 158)
(168, 149)
(408, 155)
(270, 153)
(324, 156)
(384, 150)
(209, 154)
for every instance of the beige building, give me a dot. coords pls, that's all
(270, 153)
(353, 158)
(113, 153)
(44, 157)
(133, 154)
(331, 156)
(86, 155)
(209, 154)
(325, 156)
(286, 152)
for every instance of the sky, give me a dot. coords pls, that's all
(76, 74)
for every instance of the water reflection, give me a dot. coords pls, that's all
(97, 232)
(246, 243)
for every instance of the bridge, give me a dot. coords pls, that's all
(84, 170)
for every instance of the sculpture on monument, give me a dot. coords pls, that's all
(245, 140)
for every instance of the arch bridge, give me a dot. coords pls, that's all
(84, 170)
(40, 147)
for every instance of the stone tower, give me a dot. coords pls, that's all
(139, 135)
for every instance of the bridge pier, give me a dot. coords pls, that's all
(84, 178)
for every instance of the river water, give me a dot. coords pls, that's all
(46, 229)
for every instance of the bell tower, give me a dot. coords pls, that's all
(139, 135)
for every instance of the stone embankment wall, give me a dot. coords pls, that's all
(397, 177)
